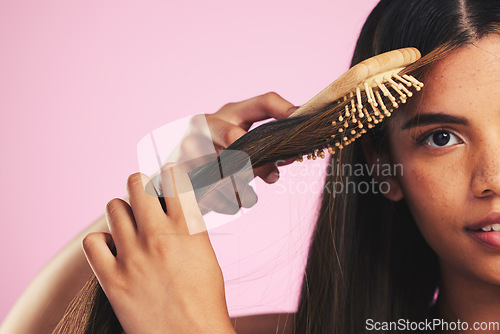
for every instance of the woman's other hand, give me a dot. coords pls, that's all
(219, 130)
(164, 278)
(234, 119)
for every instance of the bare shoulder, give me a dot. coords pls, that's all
(275, 323)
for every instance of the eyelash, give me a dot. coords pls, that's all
(423, 137)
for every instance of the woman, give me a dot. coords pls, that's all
(375, 257)
(384, 269)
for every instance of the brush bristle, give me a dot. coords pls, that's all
(366, 107)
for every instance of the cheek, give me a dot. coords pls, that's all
(425, 192)
(433, 194)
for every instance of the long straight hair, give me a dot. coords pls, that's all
(367, 258)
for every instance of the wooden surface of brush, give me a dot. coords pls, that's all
(357, 101)
(370, 91)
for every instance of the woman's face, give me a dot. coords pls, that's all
(451, 159)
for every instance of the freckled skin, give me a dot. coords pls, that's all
(449, 187)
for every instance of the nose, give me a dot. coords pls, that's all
(486, 170)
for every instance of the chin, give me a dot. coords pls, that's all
(491, 274)
(486, 271)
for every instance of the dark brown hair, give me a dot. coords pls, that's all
(367, 258)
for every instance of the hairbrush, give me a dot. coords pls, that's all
(371, 90)
(358, 100)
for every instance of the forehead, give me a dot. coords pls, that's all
(466, 81)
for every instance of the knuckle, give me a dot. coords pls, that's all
(157, 243)
(116, 283)
(224, 109)
(277, 106)
(228, 105)
(270, 97)
(231, 135)
(134, 262)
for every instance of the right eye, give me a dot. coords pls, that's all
(440, 138)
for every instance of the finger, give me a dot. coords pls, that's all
(247, 196)
(229, 196)
(268, 173)
(217, 200)
(224, 133)
(182, 206)
(218, 204)
(96, 247)
(170, 191)
(220, 198)
(258, 108)
(121, 223)
(240, 185)
(143, 200)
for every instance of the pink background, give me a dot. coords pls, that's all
(82, 82)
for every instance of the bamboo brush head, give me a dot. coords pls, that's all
(370, 90)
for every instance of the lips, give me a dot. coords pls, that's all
(489, 220)
(487, 230)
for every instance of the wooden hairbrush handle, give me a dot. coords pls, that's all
(354, 77)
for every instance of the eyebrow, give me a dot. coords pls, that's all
(434, 118)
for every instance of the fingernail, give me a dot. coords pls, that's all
(273, 176)
(285, 162)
